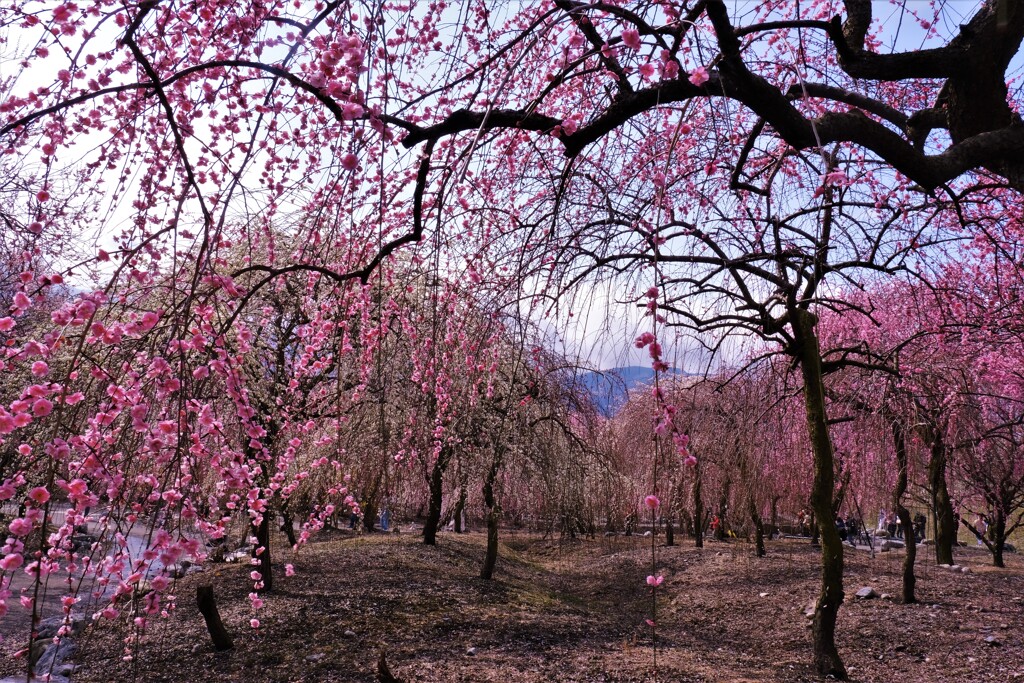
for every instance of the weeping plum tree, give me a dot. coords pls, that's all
(171, 130)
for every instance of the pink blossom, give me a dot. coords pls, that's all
(39, 495)
(655, 581)
(42, 408)
(11, 561)
(652, 502)
(631, 38)
(149, 320)
(837, 178)
(20, 526)
(690, 461)
(699, 76)
(7, 423)
(6, 324)
(643, 340)
(350, 111)
(349, 162)
(647, 70)
(255, 623)
(21, 301)
(289, 570)
(40, 368)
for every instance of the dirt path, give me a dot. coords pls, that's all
(573, 612)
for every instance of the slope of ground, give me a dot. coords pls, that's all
(572, 612)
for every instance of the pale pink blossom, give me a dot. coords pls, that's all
(699, 76)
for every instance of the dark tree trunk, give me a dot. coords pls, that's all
(670, 533)
(370, 514)
(434, 512)
(997, 536)
(909, 536)
(493, 516)
(826, 656)
(698, 509)
(289, 528)
(755, 517)
(208, 608)
(460, 508)
(263, 558)
(945, 522)
(723, 509)
(384, 674)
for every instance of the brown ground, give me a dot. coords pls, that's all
(574, 612)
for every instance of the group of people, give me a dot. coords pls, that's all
(852, 528)
(894, 525)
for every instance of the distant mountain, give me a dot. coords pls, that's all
(609, 389)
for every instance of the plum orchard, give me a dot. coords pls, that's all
(734, 164)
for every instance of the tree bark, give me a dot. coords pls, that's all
(208, 608)
(460, 508)
(826, 611)
(436, 489)
(493, 516)
(909, 535)
(755, 517)
(670, 533)
(698, 507)
(997, 535)
(723, 509)
(289, 528)
(945, 522)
